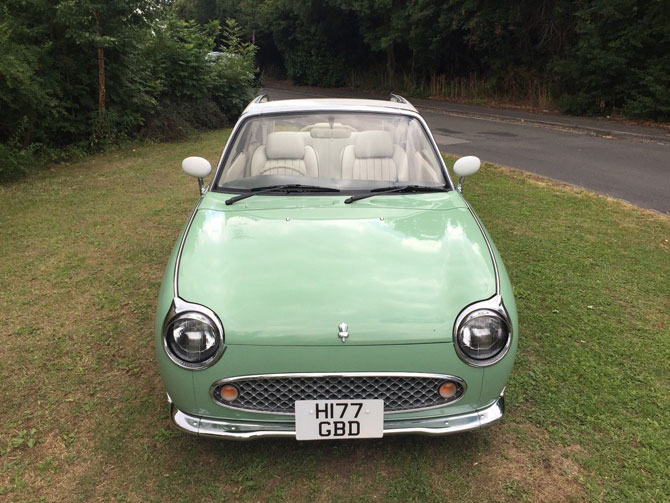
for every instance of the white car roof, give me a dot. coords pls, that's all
(260, 106)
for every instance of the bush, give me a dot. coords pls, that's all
(231, 76)
(314, 67)
(15, 162)
(190, 90)
(620, 61)
(160, 84)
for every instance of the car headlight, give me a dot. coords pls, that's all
(192, 340)
(483, 337)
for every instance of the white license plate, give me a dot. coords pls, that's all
(332, 419)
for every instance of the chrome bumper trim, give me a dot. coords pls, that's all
(240, 430)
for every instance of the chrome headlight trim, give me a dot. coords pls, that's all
(493, 306)
(180, 308)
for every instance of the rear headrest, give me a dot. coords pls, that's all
(373, 144)
(285, 145)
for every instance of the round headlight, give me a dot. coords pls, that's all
(193, 339)
(482, 337)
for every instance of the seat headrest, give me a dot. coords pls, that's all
(285, 145)
(373, 144)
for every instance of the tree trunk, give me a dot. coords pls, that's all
(101, 79)
(101, 68)
(390, 63)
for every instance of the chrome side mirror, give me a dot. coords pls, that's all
(466, 166)
(198, 167)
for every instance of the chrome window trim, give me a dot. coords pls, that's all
(496, 305)
(231, 380)
(179, 307)
(250, 430)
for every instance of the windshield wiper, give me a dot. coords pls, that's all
(395, 188)
(289, 187)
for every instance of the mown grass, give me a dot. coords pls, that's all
(83, 416)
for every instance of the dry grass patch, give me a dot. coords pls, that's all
(533, 469)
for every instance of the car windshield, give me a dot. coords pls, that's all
(345, 151)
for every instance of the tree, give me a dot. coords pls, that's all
(101, 25)
(382, 24)
(24, 94)
(619, 61)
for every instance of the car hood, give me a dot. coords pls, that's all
(289, 270)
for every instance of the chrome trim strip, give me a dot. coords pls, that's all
(180, 306)
(496, 305)
(230, 380)
(488, 245)
(201, 185)
(245, 430)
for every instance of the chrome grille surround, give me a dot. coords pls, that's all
(277, 393)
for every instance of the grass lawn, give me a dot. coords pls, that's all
(84, 417)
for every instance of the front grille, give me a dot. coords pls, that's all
(277, 394)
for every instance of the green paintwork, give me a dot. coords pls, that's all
(495, 377)
(178, 382)
(289, 276)
(280, 288)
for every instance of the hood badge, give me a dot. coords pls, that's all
(343, 332)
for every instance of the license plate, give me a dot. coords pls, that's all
(334, 419)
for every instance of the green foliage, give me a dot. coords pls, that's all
(314, 66)
(231, 75)
(307, 37)
(189, 89)
(597, 57)
(620, 61)
(176, 57)
(15, 162)
(158, 80)
(23, 93)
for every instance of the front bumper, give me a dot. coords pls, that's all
(241, 430)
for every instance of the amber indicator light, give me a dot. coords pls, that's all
(448, 389)
(229, 392)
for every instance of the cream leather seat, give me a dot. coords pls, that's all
(284, 153)
(374, 157)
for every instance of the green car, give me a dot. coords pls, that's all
(332, 282)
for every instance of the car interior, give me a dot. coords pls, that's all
(398, 151)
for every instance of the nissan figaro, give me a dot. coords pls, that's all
(332, 282)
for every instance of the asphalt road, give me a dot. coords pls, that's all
(624, 161)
